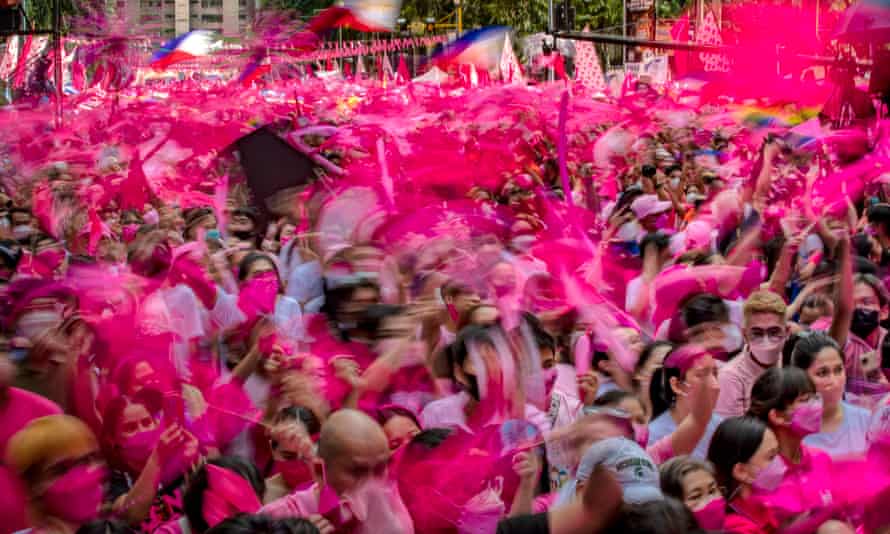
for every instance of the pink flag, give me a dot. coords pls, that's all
(403, 69)
(710, 35)
(588, 72)
(511, 72)
(680, 34)
(20, 66)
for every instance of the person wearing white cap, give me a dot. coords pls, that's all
(651, 212)
(632, 466)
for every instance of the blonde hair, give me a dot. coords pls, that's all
(764, 302)
(45, 439)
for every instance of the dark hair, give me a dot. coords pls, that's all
(254, 257)
(193, 497)
(660, 239)
(648, 170)
(861, 244)
(467, 337)
(597, 358)
(262, 524)
(371, 320)
(808, 346)
(106, 526)
(385, 413)
(193, 216)
(875, 284)
(661, 395)
(734, 442)
(777, 389)
(672, 473)
(648, 351)
(704, 308)
(879, 215)
(303, 415)
(613, 398)
(430, 438)
(862, 265)
(543, 340)
(665, 516)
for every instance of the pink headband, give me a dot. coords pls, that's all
(685, 357)
(227, 494)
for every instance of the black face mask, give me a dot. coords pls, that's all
(245, 235)
(864, 322)
(472, 387)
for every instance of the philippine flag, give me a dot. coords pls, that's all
(361, 15)
(482, 48)
(190, 45)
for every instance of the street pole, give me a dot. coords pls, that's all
(623, 31)
(460, 17)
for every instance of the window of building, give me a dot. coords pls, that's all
(211, 18)
(211, 3)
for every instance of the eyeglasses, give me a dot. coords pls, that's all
(775, 333)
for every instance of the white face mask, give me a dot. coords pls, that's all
(733, 339)
(675, 183)
(628, 231)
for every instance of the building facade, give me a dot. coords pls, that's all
(167, 18)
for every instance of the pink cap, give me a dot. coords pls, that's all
(649, 205)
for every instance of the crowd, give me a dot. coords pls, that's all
(692, 338)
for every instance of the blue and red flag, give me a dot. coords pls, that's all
(190, 45)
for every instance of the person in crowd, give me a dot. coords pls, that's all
(786, 400)
(683, 368)
(744, 453)
(651, 358)
(58, 459)
(765, 332)
(692, 482)
(261, 524)
(351, 470)
(844, 425)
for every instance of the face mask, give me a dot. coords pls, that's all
(806, 418)
(244, 235)
(732, 337)
(452, 312)
(769, 478)
(675, 183)
(213, 235)
(22, 232)
(259, 292)
(628, 231)
(712, 515)
(76, 495)
(294, 472)
(136, 449)
(765, 351)
(864, 322)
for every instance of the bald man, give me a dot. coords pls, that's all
(351, 480)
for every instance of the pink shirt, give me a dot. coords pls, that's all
(736, 379)
(18, 409)
(298, 504)
(448, 412)
(856, 348)
(807, 485)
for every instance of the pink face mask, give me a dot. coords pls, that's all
(77, 495)
(258, 294)
(769, 478)
(712, 515)
(806, 418)
(136, 449)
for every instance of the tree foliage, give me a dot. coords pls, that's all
(39, 13)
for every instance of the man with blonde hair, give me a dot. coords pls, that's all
(765, 333)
